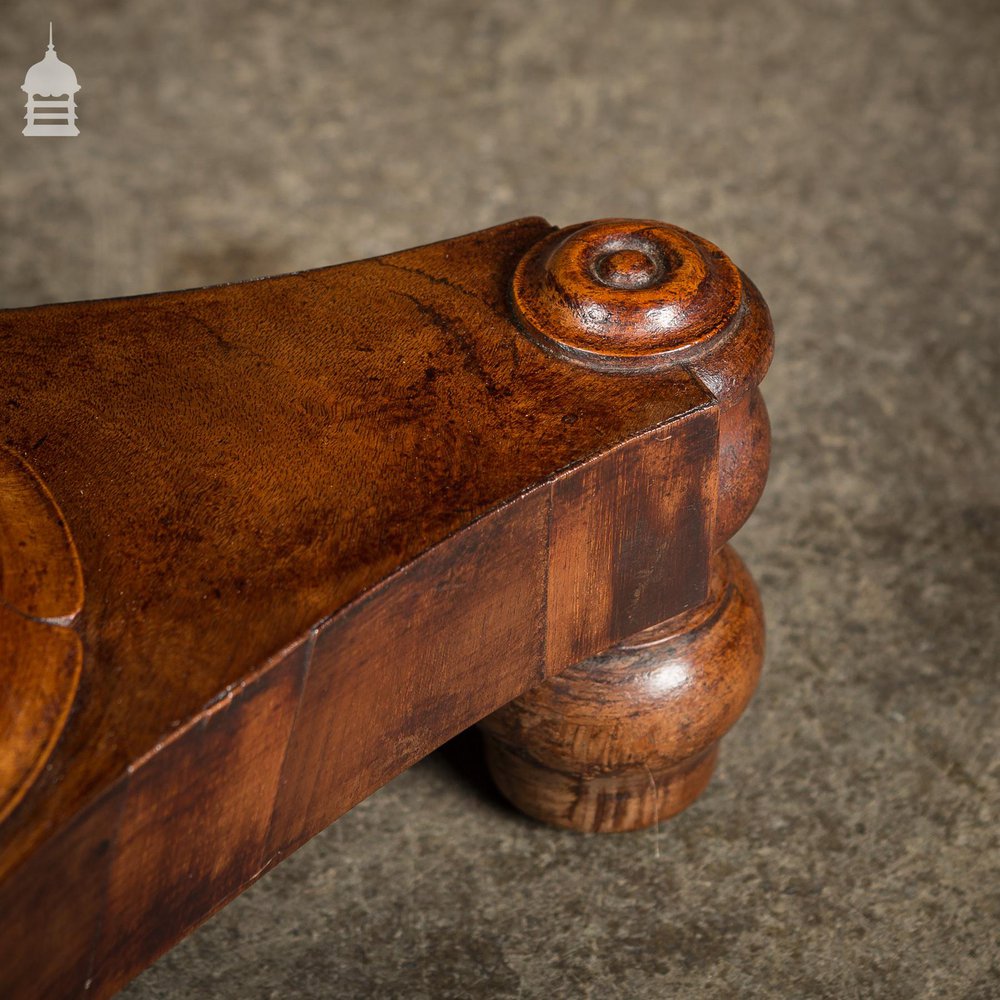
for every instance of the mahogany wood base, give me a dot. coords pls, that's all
(464, 468)
(630, 737)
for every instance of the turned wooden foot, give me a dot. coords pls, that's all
(631, 736)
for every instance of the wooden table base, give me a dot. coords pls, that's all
(264, 546)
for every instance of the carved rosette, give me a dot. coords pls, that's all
(630, 296)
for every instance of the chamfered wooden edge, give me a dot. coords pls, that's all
(268, 738)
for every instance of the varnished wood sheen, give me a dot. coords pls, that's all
(263, 546)
(631, 736)
(41, 591)
(624, 295)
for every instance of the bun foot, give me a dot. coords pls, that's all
(630, 737)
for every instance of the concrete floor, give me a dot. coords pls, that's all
(846, 155)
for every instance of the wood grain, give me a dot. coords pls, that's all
(325, 522)
(626, 295)
(41, 590)
(608, 578)
(630, 737)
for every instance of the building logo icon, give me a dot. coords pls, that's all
(51, 78)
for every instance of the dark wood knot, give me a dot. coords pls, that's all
(625, 295)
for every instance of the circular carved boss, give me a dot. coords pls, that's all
(624, 295)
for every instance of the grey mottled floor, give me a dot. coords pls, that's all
(846, 154)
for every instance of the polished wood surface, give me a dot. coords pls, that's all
(630, 737)
(296, 533)
(41, 591)
(624, 295)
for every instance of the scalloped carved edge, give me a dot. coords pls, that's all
(41, 658)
